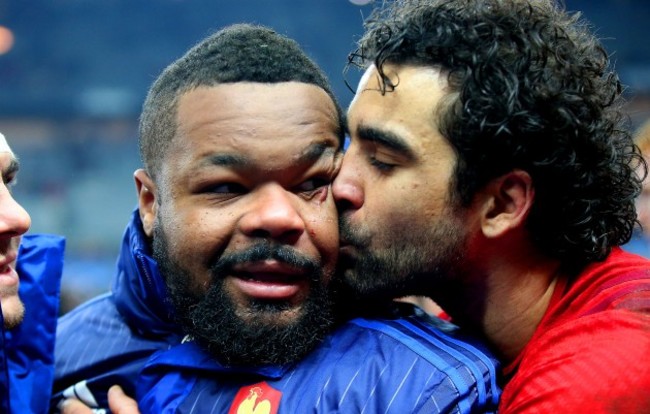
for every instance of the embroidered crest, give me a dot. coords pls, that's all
(258, 398)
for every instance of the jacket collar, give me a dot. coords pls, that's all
(190, 356)
(139, 290)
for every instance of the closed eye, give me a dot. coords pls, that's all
(225, 188)
(312, 185)
(381, 166)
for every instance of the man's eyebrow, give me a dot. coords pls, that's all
(311, 154)
(316, 151)
(386, 139)
(227, 160)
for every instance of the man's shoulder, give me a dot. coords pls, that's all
(622, 281)
(91, 321)
(592, 364)
(618, 268)
(97, 348)
(405, 358)
(428, 338)
(593, 342)
(417, 345)
(90, 334)
(98, 330)
(101, 306)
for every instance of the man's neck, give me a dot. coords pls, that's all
(519, 304)
(506, 303)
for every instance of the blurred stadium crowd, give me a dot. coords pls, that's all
(73, 75)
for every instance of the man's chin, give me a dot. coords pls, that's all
(259, 332)
(361, 282)
(278, 315)
(13, 311)
(365, 288)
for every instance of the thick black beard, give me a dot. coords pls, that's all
(255, 338)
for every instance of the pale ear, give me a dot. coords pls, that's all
(147, 204)
(507, 200)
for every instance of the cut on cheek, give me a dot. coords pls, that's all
(323, 233)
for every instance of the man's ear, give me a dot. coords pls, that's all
(147, 204)
(507, 201)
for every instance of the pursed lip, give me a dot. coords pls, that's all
(268, 269)
(8, 275)
(7, 261)
(351, 241)
(347, 248)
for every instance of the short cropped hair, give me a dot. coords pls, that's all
(237, 53)
(531, 89)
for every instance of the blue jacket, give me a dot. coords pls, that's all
(401, 365)
(110, 339)
(27, 351)
(107, 340)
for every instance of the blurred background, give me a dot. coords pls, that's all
(74, 73)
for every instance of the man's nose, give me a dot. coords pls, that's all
(347, 188)
(274, 213)
(14, 220)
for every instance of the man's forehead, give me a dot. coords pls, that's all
(294, 155)
(4, 145)
(8, 162)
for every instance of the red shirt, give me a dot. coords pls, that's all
(591, 351)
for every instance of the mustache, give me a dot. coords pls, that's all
(350, 236)
(265, 251)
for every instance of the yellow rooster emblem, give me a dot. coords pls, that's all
(250, 405)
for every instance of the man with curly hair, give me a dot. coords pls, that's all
(489, 168)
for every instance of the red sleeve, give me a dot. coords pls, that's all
(595, 364)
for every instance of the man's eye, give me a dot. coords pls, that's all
(225, 188)
(10, 182)
(381, 166)
(313, 184)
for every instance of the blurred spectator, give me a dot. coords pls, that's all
(640, 243)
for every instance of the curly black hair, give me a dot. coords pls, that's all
(531, 89)
(237, 53)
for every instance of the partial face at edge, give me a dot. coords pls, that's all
(400, 228)
(643, 205)
(14, 221)
(246, 227)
